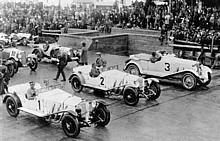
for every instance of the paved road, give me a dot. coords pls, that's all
(178, 115)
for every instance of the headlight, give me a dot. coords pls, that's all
(19, 56)
(29, 59)
(93, 104)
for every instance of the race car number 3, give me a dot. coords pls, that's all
(167, 66)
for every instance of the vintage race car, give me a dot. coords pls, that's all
(190, 73)
(18, 58)
(53, 104)
(51, 52)
(113, 81)
(23, 38)
(4, 39)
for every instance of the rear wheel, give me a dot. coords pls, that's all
(38, 54)
(154, 91)
(12, 107)
(189, 81)
(33, 65)
(130, 96)
(76, 84)
(70, 125)
(132, 69)
(102, 115)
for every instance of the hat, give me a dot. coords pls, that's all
(98, 53)
(31, 82)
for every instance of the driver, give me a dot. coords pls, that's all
(31, 92)
(94, 71)
(100, 62)
(156, 56)
(46, 46)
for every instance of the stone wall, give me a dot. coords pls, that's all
(135, 31)
(145, 43)
(112, 44)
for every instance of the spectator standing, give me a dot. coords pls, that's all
(84, 55)
(62, 57)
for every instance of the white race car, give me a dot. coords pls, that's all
(52, 104)
(4, 39)
(191, 73)
(23, 38)
(51, 52)
(113, 81)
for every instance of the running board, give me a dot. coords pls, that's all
(39, 114)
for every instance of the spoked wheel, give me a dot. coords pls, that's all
(12, 107)
(33, 65)
(133, 69)
(154, 91)
(189, 81)
(102, 115)
(11, 70)
(76, 84)
(38, 54)
(70, 125)
(130, 96)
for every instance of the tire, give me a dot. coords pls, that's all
(104, 114)
(154, 87)
(11, 70)
(33, 66)
(12, 107)
(76, 84)
(189, 81)
(15, 67)
(130, 96)
(70, 125)
(132, 69)
(38, 54)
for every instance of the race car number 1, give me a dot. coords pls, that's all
(167, 66)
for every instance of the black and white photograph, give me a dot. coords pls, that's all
(109, 70)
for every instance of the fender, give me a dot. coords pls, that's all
(71, 112)
(78, 74)
(32, 55)
(135, 63)
(150, 80)
(38, 49)
(14, 96)
(101, 102)
(131, 87)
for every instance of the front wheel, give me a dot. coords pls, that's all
(130, 96)
(76, 84)
(154, 91)
(132, 69)
(70, 125)
(11, 70)
(189, 81)
(38, 54)
(33, 65)
(12, 107)
(102, 114)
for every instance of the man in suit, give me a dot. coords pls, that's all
(62, 57)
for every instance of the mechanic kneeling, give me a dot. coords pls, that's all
(31, 92)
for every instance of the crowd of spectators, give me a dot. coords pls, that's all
(186, 21)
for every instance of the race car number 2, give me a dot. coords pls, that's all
(167, 66)
(102, 80)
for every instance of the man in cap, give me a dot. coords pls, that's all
(100, 62)
(31, 92)
(62, 57)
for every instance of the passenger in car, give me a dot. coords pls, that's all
(31, 92)
(94, 71)
(155, 57)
